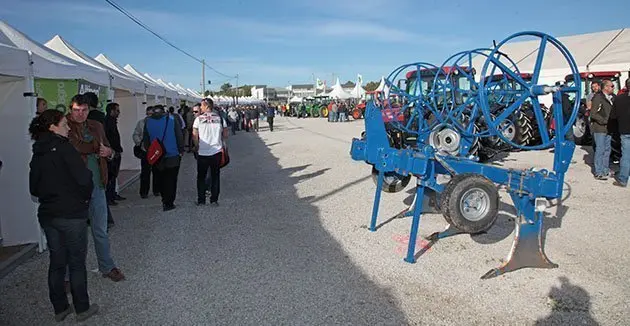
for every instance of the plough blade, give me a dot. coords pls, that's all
(527, 249)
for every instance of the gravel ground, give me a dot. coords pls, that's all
(289, 245)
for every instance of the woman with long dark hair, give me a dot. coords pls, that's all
(63, 185)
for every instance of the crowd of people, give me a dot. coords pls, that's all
(610, 115)
(75, 164)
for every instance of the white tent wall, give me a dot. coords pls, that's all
(18, 217)
(131, 109)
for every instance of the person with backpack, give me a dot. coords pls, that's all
(209, 133)
(164, 142)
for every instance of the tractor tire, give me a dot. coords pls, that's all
(582, 131)
(324, 112)
(357, 114)
(455, 205)
(392, 181)
(315, 112)
(523, 134)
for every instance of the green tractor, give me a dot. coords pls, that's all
(312, 107)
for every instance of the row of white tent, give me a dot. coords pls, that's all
(337, 92)
(24, 64)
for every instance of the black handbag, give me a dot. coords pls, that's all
(138, 152)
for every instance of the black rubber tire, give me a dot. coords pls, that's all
(393, 182)
(452, 195)
(524, 129)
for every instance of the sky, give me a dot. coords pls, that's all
(282, 42)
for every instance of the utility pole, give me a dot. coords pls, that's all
(203, 77)
(237, 90)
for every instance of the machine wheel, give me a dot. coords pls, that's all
(392, 182)
(470, 203)
(315, 112)
(581, 131)
(324, 112)
(356, 114)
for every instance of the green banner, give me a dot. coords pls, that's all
(100, 91)
(57, 93)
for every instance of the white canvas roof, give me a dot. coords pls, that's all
(182, 95)
(152, 87)
(120, 81)
(357, 91)
(13, 61)
(169, 92)
(606, 50)
(338, 92)
(48, 63)
(195, 94)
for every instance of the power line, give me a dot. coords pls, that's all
(141, 24)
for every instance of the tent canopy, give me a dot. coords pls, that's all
(48, 63)
(13, 61)
(120, 81)
(337, 92)
(152, 87)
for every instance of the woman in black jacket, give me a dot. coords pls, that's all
(63, 184)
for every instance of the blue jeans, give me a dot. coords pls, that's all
(342, 117)
(98, 224)
(624, 165)
(602, 153)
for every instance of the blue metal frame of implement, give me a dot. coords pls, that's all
(473, 186)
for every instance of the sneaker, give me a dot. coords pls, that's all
(601, 177)
(92, 310)
(619, 184)
(62, 315)
(200, 203)
(214, 204)
(119, 197)
(115, 275)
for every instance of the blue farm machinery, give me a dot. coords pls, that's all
(431, 129)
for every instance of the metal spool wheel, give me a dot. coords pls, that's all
(529, 91)
(412, 102)
(457, 92)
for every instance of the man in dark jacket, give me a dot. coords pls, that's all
(271, 113)
(620, 115)
(600, 114)
(167, 129)
(113, 166)
(88, 138)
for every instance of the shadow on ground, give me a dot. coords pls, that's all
(262, 257)
(570, 304)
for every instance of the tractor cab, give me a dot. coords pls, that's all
(427, 80)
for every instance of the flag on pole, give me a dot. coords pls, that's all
(320, 84)
(359, 79)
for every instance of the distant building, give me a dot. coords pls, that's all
(262, 92)
(303, 90)
(282, 94)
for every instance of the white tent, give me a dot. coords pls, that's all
(160, 91)
(194, 93)
(600, 51)
(337, 92)
(382, 87)
(127, 92)
(168, 92)
(357, 91)
(48, 63)
(295, 99)
(118, 80)
(18, 217)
